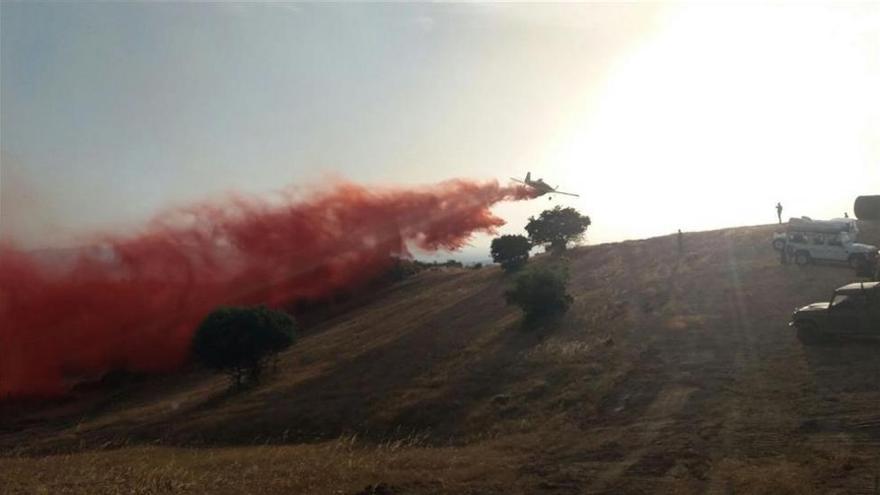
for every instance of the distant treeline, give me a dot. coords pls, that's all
(403, 268)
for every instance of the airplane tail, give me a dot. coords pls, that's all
(528, 176)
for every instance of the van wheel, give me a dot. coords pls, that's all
(778, 244)
(856, 261)
(802, 258)
(808, 333)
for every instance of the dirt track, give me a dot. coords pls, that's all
(671, 374)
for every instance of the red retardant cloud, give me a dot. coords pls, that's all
(132, 303)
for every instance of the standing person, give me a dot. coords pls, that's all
(680, 242)
(779, 212)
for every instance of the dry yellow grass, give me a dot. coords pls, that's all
(670, 374)
(341, 466)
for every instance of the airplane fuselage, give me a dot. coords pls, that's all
(540, 187)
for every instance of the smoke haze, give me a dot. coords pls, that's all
(133, 302)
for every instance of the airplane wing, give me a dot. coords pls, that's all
(567, 194)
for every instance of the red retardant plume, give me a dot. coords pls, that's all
(132, 303)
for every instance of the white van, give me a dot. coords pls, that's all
(808, 240)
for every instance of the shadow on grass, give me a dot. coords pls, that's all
(369, 395)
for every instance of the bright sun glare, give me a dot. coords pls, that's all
(727, 109)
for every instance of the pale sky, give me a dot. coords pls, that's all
(662, 116)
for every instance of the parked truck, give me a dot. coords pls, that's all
(853, 311)
(807, 241)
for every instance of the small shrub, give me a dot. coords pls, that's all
(402, 269)
(511, 251)
(240, 341)
(541, 293)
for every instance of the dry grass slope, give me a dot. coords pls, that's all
(671, 374)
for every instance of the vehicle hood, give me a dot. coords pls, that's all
(819, 306)
(863, 247)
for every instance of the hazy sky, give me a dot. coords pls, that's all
(689, 116)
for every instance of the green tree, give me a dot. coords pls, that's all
(240, 341)
(557, 228)
(511, 251)
(541, 293)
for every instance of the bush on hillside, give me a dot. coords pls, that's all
(541, 293)
(402, 269)
(240, 341)
(511, 251)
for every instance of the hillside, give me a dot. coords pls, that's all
(671, 374)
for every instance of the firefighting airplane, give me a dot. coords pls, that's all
(541, 187)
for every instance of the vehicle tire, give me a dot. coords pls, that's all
(857, 261)
(802, 258)
(808, 333)
(779, 244)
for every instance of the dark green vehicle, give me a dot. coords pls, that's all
(854, 311)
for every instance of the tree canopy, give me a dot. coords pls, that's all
(239, 340)
(557, 228)
(511, 251)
